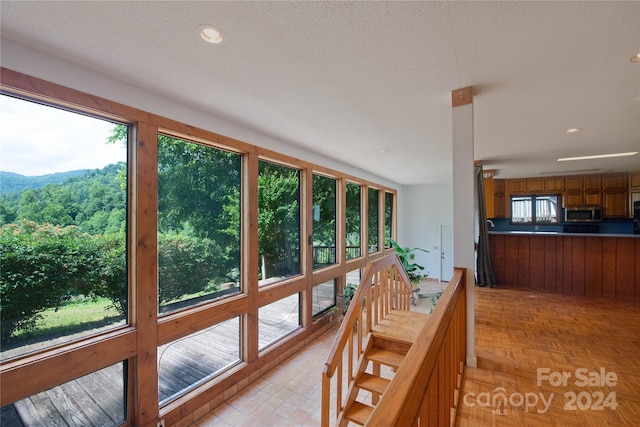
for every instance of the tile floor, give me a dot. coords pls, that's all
(290, 395)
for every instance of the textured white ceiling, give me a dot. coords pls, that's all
(369, 83)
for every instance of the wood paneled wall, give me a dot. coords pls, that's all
(581, 265)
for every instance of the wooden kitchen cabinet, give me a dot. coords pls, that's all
(616, 195)
(494, 197)
(573, 200)
(554, 184)
(590, 265)
(517, 186)
(593, 199)
(489, 199)
(535, 185)
(616, 192)
(615, 204)
(616, 181)
(593, 183)
(634, 190)
(499, 200)
(573, 183)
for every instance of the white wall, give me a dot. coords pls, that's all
(424, 209)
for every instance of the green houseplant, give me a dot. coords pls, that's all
(407, 256)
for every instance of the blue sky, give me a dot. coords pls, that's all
(38, 140)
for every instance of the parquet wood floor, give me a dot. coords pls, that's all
(526, 340)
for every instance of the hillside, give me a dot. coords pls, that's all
(13, 182)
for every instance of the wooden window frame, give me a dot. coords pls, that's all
(138, 341)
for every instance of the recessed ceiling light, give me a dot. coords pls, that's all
(210, 34)
(635, 58)
(573, 130)
(598, 156)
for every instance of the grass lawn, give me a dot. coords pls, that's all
(79, 314)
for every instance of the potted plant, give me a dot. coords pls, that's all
(407, 256)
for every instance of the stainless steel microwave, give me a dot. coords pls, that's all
(586, 214)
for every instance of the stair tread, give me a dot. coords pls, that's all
(372, 383)
(359, 413)
(401, 325)
(386, 357)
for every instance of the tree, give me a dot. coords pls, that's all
(44, 265)
(199, 187)
(279, 219)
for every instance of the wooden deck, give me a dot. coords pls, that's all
(97, 399)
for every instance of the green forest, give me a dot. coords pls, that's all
(60, 238)
(63, 236)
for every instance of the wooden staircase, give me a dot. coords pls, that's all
(389, 366)
(388, 345)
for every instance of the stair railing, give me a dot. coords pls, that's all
(385, 286)
(425, 389)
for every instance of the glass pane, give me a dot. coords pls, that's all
(198, 223)
(353, 221)
(63, 225)
(546, 209)
(96, 399)
(373, 220)
(521, 210)
(324, 296)
(278, 319)
(388, 219)
(353, 280)
(189, 361)
(278, 222)
(324, 221)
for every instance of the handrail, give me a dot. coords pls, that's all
(384, 286)
(426, 386)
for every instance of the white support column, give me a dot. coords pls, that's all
(463, 204)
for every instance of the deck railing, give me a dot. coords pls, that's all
(425, 389)
(384, 286)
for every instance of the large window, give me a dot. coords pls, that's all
(324, 221)
(373, 220)
(198, 223)
(324, 297)
(63, 226)
(534, 209)
(353, 221)
(278, 319)
(278, 222)
(132, 251)
(96, 399)
(191, 360)
(388, 219)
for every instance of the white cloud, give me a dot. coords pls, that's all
(38, 140)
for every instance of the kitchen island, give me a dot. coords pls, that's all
(606, 265)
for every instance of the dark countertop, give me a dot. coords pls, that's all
(554, 233)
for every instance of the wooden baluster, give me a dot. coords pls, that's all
(326, 396)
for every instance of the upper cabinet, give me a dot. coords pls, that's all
(535, 185)
(554, 184)
(593, 183)
(615, 182)
(634, 190)
(517, 186)
(573, 183)
(615, 192)
(494, 196)
(615, 195)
